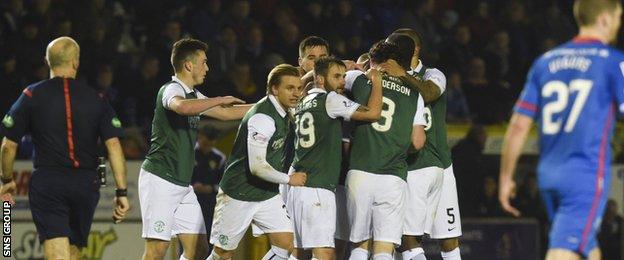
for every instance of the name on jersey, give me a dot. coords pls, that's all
(306, 105)
(391, 85)
(579, 63)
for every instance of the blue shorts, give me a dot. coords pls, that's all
(62, 203)
(575, 214)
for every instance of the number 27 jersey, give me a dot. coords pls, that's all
(573, 92)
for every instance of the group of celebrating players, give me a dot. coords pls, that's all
(355, 159)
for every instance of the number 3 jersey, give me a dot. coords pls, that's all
(381, 147)
(318, 143)
(572, 92)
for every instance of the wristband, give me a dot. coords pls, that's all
(121, 192)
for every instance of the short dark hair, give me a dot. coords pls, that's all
(382, 51)
(276, 74)
(312, 41)
(322, 65)
(209, 132)
(586, 11)
(406, 48)
(185, 49)
(412, 34)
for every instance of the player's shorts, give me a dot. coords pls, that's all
(232, 218)
(313, 212)
(575, 212)
(375, 203)
(63, 202)
(447, 221)
(343, 229)
(424, 188)
(168, 209)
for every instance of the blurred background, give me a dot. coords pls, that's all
(484, 48)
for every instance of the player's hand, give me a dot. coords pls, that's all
(7, 191)
(506, 192)
(373, 74)
(298, 179)
(393, 68)
(121, 206)
(229, 101)
(352, 65)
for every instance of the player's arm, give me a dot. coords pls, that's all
(514, 139)
(418, 125)
(173, 99)
(372, 111)
(15, 124)
(260, 129)
(226, 113)
(430, 87)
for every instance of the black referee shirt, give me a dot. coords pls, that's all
(66, 120)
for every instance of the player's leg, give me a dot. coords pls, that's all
(359, 187)
(447, 222)
(158, 199)
(231, 220)
(50, 212)
(342, 224)
(74, 252)
(56, 248)
(577, 219)
(191, 228)
(273, 219)
(82, 209)
(388, 215)
(424, 190)
(561, 254)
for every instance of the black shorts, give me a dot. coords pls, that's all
(63, 202)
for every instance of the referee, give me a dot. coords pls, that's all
(66, 119)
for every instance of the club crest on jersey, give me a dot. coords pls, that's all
(193, 122)
(8, 121)
(278, 143)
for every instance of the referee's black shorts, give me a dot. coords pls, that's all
(62, 202)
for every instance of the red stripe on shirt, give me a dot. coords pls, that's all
(526, 105)
(70, 126)
(599, 181)
(579, 39)
(27, 92)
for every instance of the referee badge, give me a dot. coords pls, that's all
(8, 121)
(115, 122)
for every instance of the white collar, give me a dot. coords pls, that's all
(419, 67)
(186, 88)
(317, 90)
(277, 105)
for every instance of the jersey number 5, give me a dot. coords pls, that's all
(559, 88)
(305, 130)
(387, 112)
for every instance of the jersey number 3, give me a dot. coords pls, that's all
(551, 126)
(387, 112)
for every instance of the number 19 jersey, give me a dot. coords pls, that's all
(572, 92)
(381, 147)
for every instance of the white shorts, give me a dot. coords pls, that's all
(313, 212)
(168, 209)
(232, 218)
(375, 203)
(342, 219)
(424, 188)
(447, 223)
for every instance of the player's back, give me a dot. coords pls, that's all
(381, 147)
(572, 92)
